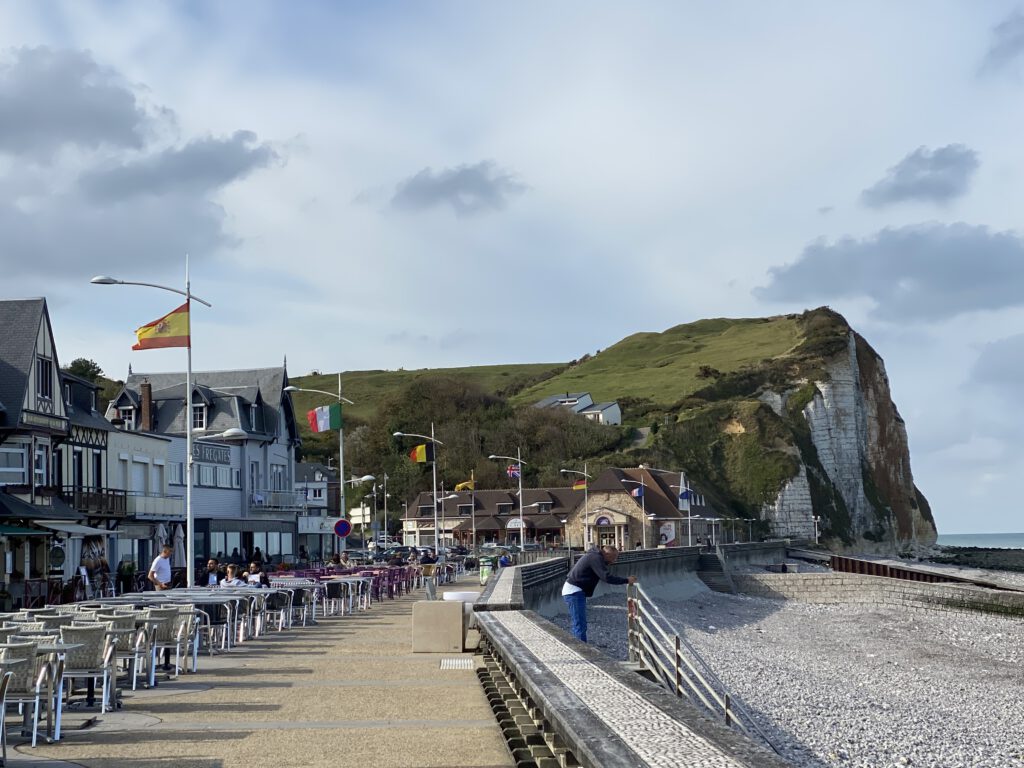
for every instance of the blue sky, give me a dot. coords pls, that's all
(384, 185)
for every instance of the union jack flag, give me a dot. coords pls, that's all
(514, 471)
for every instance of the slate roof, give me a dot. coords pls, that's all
(305, 472)
(229, 395)
(597, 407)
(19, 329)
(561, 499)
(552, 400)
(79, 410)
(661, 499)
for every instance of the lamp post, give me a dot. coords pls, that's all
(190, 540)
(519, 464)
(354, 481)
(586, 502)
(434, 441)
(443, 499)
(341, 436)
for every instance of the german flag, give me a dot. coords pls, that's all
(421, 454)
(579, 485)
(171, 330)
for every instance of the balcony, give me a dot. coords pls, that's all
(277, 501)
(143, 505)
(108, 502)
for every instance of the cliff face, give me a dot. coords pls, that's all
(860, 443)
(809, 441)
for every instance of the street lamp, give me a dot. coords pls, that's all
(519, 470)
(443, 499)
(341, 434)
(643, 498)
(190, 539)
(354, 481)
(433, 466)
(586, 502)
(565, 531)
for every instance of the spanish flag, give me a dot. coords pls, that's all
(579, 485)
(469, 485)
(171, 330)
(421, 454)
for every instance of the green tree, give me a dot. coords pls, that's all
(86, 369)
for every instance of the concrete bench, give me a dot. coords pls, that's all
(600, 714)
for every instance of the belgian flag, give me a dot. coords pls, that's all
(421, 454)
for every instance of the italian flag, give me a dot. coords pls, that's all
(325, 417)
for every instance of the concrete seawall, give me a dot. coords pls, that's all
(855, 589)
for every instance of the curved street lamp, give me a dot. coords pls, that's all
(190, 540)
(433, 467)
(587, 536)
(518, 459)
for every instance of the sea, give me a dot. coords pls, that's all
(1002, 540)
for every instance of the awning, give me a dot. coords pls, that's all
(12, 506)
(14, 530)
(74, 528)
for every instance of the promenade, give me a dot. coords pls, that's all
(346, 692)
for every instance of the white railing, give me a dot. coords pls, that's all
(145, 505)
(277, 500)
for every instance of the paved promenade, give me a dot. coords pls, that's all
(347, 692)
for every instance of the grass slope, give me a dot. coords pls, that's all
(663, 367)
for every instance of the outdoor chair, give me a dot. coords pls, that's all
(93, 660)
(167, 635)
(430, 580)
(58, 621)
(27, 683)
(5, 680)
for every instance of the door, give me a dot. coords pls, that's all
(77, 469)
(606, 536)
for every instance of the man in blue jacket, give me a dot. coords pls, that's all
(582, 580)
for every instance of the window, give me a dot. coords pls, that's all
(465, 509)
(12, 466)
(236, 478)
(177, 473)
(67, 393)
(277, 477)
(156, 479)
(425, 511)
(44, 378)
(316, 493)
(223, 477)
(198, 417)
(206, 475)
(92, 399)
(504, 509)
(254, 411)
(127, 415)
(40, 469)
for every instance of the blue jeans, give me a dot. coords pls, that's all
(577, 603)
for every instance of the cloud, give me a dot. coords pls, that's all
(52, 98)
(932, 176)
(1007, 43)
(919, 272)
(201, 166)
(1001, 365)
(468, 189)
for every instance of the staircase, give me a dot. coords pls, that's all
(709, 570)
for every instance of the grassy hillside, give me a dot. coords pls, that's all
(368, 389)
(665, 367)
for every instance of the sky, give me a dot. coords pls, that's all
(401, 184)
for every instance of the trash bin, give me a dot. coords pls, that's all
(486, 569)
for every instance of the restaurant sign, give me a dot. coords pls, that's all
(211, 454)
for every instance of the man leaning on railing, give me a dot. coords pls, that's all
(582, 581)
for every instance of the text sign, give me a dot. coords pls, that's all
(212, 454)
(343, 528)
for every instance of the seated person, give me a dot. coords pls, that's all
(255, 576)
(428, 558)
(396, 559)
(211, 576)
(344, 560)
(231, 579)
(505, 560)
(414, 557)
(336, 559)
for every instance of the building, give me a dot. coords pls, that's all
(243, 494)
(582, 403)
(318, 484)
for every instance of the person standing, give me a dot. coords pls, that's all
(160, 570)
(582, 581)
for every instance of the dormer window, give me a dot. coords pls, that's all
(44, 378)
(127, 415)
(465, 509)
(92, 399)
(198, 417)
(254, 411)
(505, 509)
(67, 394)
(425, 511)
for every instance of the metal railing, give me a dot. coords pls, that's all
(100, 501)
(658, 647)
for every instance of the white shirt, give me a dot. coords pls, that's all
(570, 589)
(162, 568)
(211, 579)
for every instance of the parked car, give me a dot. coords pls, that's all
(390, 552)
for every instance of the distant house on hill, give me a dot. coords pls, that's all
(583, 404)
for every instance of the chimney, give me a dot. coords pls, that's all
(146, 415)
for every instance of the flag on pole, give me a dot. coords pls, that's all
(684, 494)
(579, 485)
(171, 330)
(325, 417)
(638, 492)
(421, 454)
(514, 471)
(469, 485)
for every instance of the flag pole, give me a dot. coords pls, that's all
(190, 541)
(472, 496)
(341, 468)
(522, 523)
(586, 508)
(433, 466)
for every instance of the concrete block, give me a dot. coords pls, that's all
(438, 627)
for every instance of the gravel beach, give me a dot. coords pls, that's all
(856, 686)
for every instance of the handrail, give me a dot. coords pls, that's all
(656, 645)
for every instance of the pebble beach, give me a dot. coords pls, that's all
(854, 685)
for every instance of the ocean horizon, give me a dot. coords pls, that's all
(1001, 540)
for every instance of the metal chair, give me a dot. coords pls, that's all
(92, 660)
(27, 681)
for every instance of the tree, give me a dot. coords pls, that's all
(86, 369)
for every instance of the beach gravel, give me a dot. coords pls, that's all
(856, 686)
